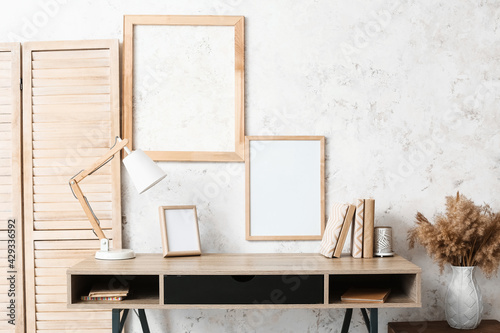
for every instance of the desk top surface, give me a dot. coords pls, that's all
(245, 263)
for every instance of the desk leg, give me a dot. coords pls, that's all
(371, 323)
(117, 323)
(373, 320)
(144, 321)
(347, 321)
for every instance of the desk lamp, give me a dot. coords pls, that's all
(144, 173)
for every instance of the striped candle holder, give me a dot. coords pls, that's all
(383, 242)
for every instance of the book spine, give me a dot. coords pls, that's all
(368, 230)
(332, 230)
(89, 298)
(345, 230)
(357, 235)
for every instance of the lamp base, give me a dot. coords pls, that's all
(115, 254)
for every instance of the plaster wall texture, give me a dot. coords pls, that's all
(406, 93)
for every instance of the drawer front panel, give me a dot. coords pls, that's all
(244, 289)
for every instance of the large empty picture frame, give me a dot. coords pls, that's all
(183, 87)
(285, 187)
(179, 231)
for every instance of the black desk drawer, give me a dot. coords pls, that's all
(244, 289)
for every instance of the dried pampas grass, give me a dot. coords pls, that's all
(467, 235)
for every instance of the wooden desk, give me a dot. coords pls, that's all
(245, 281)
(486, 326)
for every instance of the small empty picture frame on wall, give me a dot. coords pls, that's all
(179, 231)
(285, 187)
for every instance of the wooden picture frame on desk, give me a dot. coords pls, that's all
(179, 231)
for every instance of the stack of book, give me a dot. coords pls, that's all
(101, 292)
(338, 226)
(362, 235)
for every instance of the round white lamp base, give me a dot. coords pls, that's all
(115, 254)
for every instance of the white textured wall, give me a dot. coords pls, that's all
(406, 93)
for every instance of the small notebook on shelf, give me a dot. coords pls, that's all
(103, 292)
(365, 295)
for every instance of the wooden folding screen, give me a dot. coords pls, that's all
(70, 118)
(11, 245)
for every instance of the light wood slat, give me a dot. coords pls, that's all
(7, 91)
(5, 207)
(5, 171)
(50, 298)
(5, 216)
(49, 198)
(60, 207)
(70, 63)
(50, 281)
(5, 162)
(86, 188)
(73, 111)
(44, 290)
(61, 216)
(72, 225)
(5, 56)
(5, 136)
(46, 263)
(68, 245)
(95, 179)
(5, 100)
(5, 197)
(73, 330)
(63, 114)
(63, 171)
(50, 272)
(5, 82)
(6, 64)
(65, 55)
(51, 254)
(69, 99)
(6, 109)
(71, 90)
(5, 180)
(6, 120)
(50, 136)
(5, 74)
(75, 315)
(68, 127)
(61, 307)
(70, 325)
(5, 189)
(65, 162)
(5, 154)
(4, 298)
(67, 234)
(97, 81)
(99, 72)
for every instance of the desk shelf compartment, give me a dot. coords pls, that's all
(143, 289)
(404, 288)
(244, 289)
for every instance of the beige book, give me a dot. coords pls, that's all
(368, 228)
(345, 230)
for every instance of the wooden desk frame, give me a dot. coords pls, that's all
(150, 275)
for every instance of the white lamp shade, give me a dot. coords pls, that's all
(144, 172)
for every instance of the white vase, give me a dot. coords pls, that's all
(463, 301)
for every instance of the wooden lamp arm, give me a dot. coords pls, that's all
(101, 161)
(80, 176)
(86, 208)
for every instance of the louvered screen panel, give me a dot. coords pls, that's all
(10, 188)
(71, 117)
